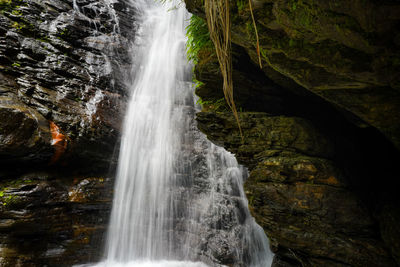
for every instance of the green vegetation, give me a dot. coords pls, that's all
(198, 38)
(11, 6)
(16, 12)
(12, 10)
(64, 31)
(240, 5)
(7, 198)
(44, 39)
(215, 105)
(18, 25)
(198, 83)
(5, 2)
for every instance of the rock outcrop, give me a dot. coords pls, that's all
(62, 98)
(345, 52)
(48, 220)
(320, 126)
(298, 192)
(62, 62)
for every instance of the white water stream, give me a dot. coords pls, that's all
(178, 198)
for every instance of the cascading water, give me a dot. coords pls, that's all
(178, 198)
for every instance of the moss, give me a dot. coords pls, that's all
(250, 30)
(308, 20)
(15, 183)
(44, 39)
(11, 7)
(240, 5)
(395, 61)
(17, 25)
(64, 31)
(16, 12)
(9, 200)
(18, 21)
(213, 105)
(5, 5)
(328, 54)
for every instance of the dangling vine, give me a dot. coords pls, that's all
(256, 32)
(219, 25)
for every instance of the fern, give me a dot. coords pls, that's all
(198, 38)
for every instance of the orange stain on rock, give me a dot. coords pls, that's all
(59, 141)
(332, 180)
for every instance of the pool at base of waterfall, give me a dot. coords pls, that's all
(147, 264)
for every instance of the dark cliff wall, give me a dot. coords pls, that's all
(62, 96)
(320, 123)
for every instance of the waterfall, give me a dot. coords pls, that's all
(179, 199)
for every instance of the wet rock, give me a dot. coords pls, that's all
(62, 96)
(64, 62)
(44, 222)
(330, 217)
(388, 219)
(261, 133)
(345, 52)
(308, 119)
(24, 133)
(301, 198)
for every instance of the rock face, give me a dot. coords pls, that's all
(62, 96)
(53, 221)
(345, 52)
(297, 193)
(62, 61)
(320, 126)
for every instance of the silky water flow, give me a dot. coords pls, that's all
(178, 199)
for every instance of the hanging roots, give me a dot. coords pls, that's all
(218, 21)
(255, 29)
